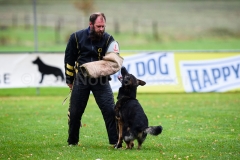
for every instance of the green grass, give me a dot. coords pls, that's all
(181, 25)
(20, 40)
(43, 91)
(196, 126)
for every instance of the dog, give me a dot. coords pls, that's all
(132, 122)
(46, 70)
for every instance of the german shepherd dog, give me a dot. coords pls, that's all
(132, 122)
(46, 69)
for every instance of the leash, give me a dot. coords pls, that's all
(66, 97)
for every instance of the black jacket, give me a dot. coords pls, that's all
(81, 49)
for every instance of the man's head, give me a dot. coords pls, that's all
(97, 22)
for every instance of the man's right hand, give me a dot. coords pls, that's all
(70, 86)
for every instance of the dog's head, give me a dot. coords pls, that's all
(37, 61)
(129, 84)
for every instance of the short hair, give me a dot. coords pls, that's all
(94, 16)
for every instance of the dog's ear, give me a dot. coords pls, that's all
(140, 82)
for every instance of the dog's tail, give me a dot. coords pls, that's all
(154, 130)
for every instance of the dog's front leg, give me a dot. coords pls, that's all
(41, 78)
(120, 130)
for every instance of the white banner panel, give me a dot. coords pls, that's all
(18, 70)
(218, 75)
(154, 68)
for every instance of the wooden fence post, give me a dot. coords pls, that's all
(135, 27)
(14, 20)
(155, 30)
(27, 21)
(116, 27)
(58, 25)
(43, 21)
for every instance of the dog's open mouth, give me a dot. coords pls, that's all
(123, 73)
(120, 78)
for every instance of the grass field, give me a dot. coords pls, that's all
(196, 126)
(17, 41)
(181, 25)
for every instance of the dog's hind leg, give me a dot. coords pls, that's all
(62, 77)
(56, 78)
(141, 138)
(139, 144)
(120, 131)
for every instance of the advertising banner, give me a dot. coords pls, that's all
(31, 70)
(215, 75)
(156, 68)
(162, 71)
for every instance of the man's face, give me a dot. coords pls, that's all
(98, 28)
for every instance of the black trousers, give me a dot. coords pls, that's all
(103, 95)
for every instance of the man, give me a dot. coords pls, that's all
(87, 46)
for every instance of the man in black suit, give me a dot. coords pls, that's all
(84, 46)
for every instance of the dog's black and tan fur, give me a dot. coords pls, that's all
(132, 122)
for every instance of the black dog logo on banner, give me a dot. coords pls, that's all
(46, 70)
